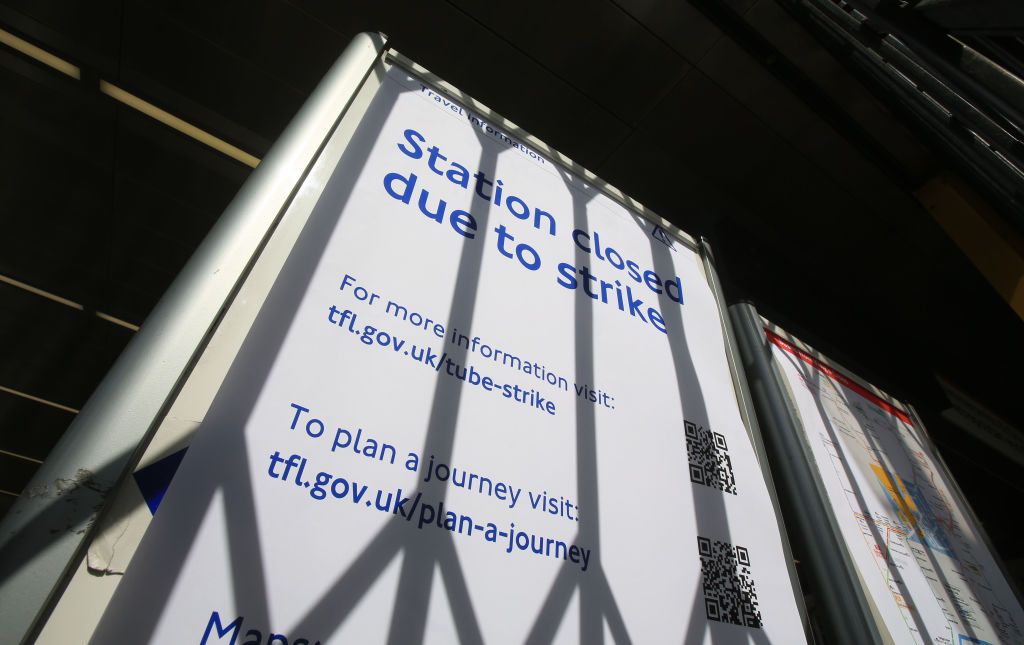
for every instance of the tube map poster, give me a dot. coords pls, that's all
(921, 560)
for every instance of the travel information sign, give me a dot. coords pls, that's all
(921, 559)
(483, 402)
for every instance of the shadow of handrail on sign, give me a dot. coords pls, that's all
(168, 550)
(596, 600)
(419, 552)
(422, 551)
(409, 615)
(711, 517)
(815, 380)
(892, 478)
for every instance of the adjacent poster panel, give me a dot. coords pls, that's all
(483, 403)
(921, 559)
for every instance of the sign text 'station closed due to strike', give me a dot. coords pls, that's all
(482, 401)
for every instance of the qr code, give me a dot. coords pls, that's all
(729, 592)
(708, 454)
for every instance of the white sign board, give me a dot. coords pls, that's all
(920, 558)
(483, 402)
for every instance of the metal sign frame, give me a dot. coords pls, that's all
(67, 546)
(848, 613)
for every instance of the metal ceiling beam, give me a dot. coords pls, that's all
(733, 25)
(972, 143)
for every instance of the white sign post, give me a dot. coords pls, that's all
(483, 402)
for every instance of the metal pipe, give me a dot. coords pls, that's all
(749, 415)
(906, 87)
(846, 616)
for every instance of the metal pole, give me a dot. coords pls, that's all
(845, 612)
(749, 415)
(739, 379)
(45, 534)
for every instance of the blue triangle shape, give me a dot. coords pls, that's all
(154, 479)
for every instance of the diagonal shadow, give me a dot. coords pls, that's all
(251, 368)
(952, 497)
(929, 552)
(708, 503)
(421, 552)
(876, 452)
(597, 601)
(815, 378)
(710, 510)
(408, 625)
